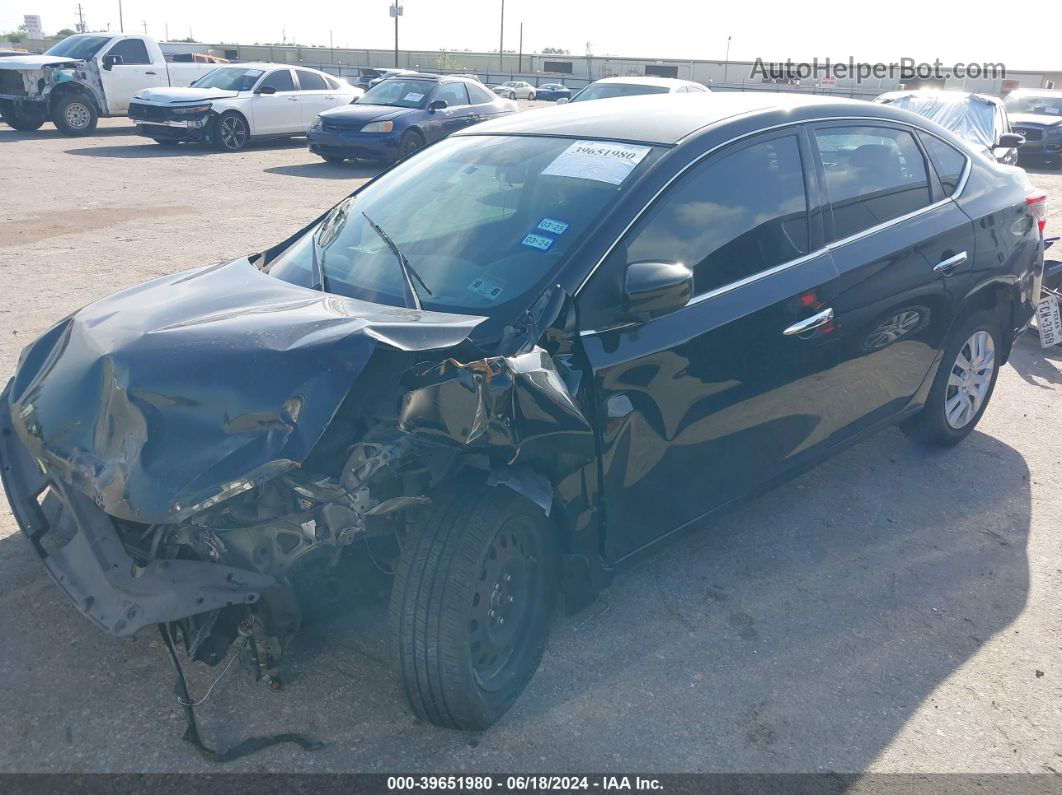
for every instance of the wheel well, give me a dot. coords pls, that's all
(417, 131)
(997, 298)
(66, 89)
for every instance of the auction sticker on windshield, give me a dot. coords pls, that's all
(597, 160)
(412, 96)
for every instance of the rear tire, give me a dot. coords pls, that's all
(22, 122)
(471, 605)
(75, 114)
(963, 385)
(531, 97)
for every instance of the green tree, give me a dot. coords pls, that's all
(64, 33)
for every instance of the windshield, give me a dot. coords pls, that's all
(971, 119)
(80, 47)
(609, 90)
(398, 92)
(233, 78)
(483, 220)
(1050, 106)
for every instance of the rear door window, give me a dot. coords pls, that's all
(311, 81)
(131, 51)
(453, 94)
(478, 95)
(873, 175)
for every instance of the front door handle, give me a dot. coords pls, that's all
(810, 323)
(149, 73)
(951, 263)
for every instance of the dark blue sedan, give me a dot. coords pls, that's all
(551, 92)
(400, 115)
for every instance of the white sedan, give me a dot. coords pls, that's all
(515, 89)
(234, 104)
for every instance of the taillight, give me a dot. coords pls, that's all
(1038, 204)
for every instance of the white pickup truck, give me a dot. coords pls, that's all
(84, 77)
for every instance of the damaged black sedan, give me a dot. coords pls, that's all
(510, 364)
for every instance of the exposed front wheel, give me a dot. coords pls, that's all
(231, 133)
(963, 384)
(472, 604)
(74, 115)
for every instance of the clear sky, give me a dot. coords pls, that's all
(1021, 36)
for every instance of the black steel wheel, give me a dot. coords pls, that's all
(472, 604)
(75, 114)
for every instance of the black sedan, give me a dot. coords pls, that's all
(551, 92)
(512, 364)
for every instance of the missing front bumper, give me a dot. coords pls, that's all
(82, 551)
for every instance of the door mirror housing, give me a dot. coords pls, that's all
(266, 90)
(110, 61)
(562, 101)
(1011, 140)
(436, 104)
(652, 289)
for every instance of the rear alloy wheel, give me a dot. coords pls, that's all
(411, 142)
(75, 114)
(963, 384)
(472, 604)
(230, 132)
(22, 121)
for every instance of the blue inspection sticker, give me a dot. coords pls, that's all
(553, 225)
(541, 242)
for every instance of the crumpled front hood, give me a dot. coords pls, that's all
(357, 112)
(29, 62)
(1039, 119)
(165, 395)
(177, 95)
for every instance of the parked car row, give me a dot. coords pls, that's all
(653, 305)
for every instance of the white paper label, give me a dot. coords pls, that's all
(413, 96)
(1049, 321)
(597, 160)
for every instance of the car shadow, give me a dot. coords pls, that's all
(1040, 168)
(8, 134)
(798, 633)
(148, 148)
(360, 169)
(1038, 366)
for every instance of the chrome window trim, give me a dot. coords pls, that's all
(804, 257)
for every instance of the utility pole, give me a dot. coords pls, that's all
(396, 12)
(726, 63)
(501, 39)
(145, 27)
(167, 31)
(81, 16)
(331, 46)
(520, 52)
(121, 25)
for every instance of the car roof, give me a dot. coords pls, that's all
(668, 118)
(1037, 92)
(646, 80)
(939, 94)
(265, 65)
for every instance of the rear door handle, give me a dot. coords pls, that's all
(810, 323)
(951, 263)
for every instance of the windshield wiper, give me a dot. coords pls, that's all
(403, 263)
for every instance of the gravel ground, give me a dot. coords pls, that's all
(892, 610)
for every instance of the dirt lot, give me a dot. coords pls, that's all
(893, 610)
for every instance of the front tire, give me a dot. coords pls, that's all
(472, 604)
(411, 142)
(963, 384)
(75, 114)
(230, 133)
(512, 95)
(22, 122)
(531, 97)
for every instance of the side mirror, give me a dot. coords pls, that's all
(436, 104)
(110, 61)
(1011, 140)
(562, 101)
(266, 90)
(652, 289)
